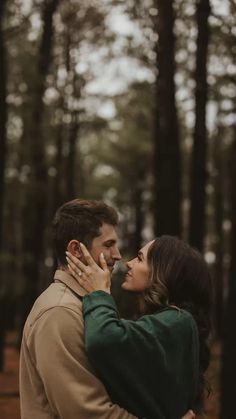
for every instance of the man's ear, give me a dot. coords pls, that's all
(74, 248)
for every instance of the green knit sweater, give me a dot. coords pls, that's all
(148, 366)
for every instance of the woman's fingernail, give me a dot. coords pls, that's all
(67, 253)
(102, 255)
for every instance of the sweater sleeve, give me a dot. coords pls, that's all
(148, 353)
(104, 330)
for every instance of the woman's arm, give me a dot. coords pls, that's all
(144, 364)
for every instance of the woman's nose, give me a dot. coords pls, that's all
(129, 264)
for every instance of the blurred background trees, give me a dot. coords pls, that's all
(132, 102)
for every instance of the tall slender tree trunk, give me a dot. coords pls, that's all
(199, 156)
(138, 211)
(3, 114)
(71, 161)
(36, 200)
(58, 184)
(218, 159)
(72, 184)
(228, 390)
(57, 187)
(3, 149)
(139, 220)
(167, 176)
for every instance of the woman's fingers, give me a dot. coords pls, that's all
(87, 255)
(103, 262)
(83, 282)
(75, 274)
(75, 263)
(91, 277)
(189, 415)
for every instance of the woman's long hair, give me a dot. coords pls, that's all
(180, 277)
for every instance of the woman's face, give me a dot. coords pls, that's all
(138, 277)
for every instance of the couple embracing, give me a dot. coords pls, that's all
(79, 359)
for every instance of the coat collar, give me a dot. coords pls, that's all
(69, 281)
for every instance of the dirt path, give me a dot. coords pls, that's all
(9, 386)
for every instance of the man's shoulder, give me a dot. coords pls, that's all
(57, 297)
(59, 294)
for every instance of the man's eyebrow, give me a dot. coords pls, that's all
(111, 241)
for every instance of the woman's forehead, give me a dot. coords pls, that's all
(145, 248)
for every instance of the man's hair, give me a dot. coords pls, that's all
(80, 220)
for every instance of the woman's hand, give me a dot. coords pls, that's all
(91, 276)
(189, 415)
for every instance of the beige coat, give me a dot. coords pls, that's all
(56, 379)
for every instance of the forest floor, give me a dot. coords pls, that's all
(9, 384)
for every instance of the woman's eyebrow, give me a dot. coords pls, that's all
(140, 254)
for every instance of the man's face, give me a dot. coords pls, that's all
(106, 243)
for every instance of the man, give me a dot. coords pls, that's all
(56, 379)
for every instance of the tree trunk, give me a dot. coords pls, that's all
(167, 193)
(228, 390)
(219, 246)
(71, 161)
(58, 183)
(199, 156)
(71, 186)
(139, 220)
(3, 114)
(36, 200)
(3, 149)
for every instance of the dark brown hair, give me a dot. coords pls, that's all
(80, 220)
(180, 277)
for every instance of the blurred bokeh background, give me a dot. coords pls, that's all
(128, 101)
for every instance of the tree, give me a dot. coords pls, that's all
(167, 170)
(118, 162)
(218, 158)
(199, 156)
(3, 112)
(228, 388)
(3, 149)
(34, 218)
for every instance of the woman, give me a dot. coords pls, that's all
(153, 366)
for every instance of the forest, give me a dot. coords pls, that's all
(131, 102)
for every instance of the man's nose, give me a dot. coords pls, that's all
(116, 254)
